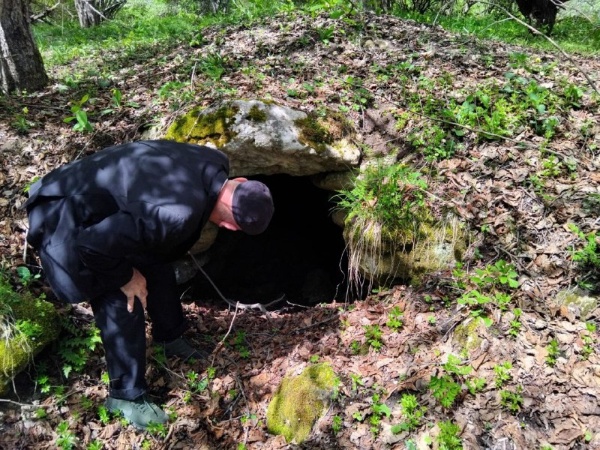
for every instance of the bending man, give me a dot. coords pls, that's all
(106, 228)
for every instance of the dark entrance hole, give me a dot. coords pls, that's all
(301, 254)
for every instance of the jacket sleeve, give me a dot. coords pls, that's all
(104, 247)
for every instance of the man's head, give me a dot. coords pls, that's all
(252, 206)
(244, 205)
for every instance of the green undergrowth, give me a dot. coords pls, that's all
(572, 34)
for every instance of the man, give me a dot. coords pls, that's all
(106, 228)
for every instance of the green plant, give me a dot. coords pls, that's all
(76, 346)
(356, 381)
(588, 340)
(474, 299)
(412, 412)
(41, 414)
(103, 414)
(336, 424)
(80, 116)
(515, 324)
(158, 429)
(213, 66)
(195, 383)
(95, 445)
(476, 385)
(378, 409)
(553, 352)
(500, 272)
(448, 438)
(513, 401)
(387, 203)
(502, 300)
(394, 318)
(588, 255)
(325, 34)
(374, 335)
(66, 439)
(454, 366)
(21, 123)
(356, 347)
(25, 276)
(502, 372)
(444, 389)
(239, 342)
(552, 167)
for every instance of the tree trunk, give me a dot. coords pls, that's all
(89, 13)
(21, 64)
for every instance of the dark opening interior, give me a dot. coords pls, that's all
(301, 255)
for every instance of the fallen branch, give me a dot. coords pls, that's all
(41, 16)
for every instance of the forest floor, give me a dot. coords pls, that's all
(534, 377)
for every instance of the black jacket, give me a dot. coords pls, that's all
(92, 220)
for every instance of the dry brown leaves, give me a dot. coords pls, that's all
(490, 185)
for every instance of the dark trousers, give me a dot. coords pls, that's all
(124, 334)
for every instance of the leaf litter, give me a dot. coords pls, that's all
(490, 184)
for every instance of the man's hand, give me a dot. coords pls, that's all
(136, 287)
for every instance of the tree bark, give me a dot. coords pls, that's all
(88, 12)
(21, 64)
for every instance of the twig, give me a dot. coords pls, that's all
(260, 306)
(222, 341)
(5, 400)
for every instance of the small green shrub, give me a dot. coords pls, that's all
(395, 318)
(445, 390)
(553, 352)
(412, 412)
(502, 372)
(448, 438)
(513, 401)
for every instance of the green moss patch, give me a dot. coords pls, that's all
(27, 325)
(318, 132)
(201, 127)
(257, 114)
(300, 401)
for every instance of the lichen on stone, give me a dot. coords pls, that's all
(299, 401)
(201, 126)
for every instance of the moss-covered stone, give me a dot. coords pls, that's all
(579, 302)
(409, 253)
(466, 336)
(203, 127)
(299, 401)
(39, 320)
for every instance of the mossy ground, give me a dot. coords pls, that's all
(39, 326)
(299, 401)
